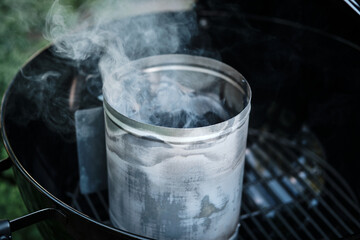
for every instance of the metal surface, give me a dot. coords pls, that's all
(35, 217)
(5, 232)
(90, 139)
(354, 4)
(8, 227)
(290, 192)
(216, 77)
(324, 208)
(179, 183)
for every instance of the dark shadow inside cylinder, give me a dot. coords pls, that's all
(184, 98)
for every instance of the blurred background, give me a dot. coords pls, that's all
(21, 35)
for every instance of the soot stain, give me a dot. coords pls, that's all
(208, 209)
(160, 212)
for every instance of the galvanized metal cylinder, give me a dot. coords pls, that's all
(180, 183)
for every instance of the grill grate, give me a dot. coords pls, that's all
(289, 192)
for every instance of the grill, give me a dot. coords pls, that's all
(301, 174)
(290, 192)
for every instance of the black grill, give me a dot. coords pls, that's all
(289, 192)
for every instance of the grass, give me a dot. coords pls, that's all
(21, 25)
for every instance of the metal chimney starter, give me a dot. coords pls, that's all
(180, 183)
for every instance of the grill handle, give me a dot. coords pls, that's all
(5, 232)
(8, 227)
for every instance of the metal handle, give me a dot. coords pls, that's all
(8, 227)
(5, 232)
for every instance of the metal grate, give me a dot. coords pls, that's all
(289, 192)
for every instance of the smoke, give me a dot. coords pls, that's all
(43, 98)
(101, 31)
(99, 39)
(168, 99)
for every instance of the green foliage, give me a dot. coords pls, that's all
(11, 206)
(21, 23)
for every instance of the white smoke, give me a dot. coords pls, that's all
(106, 32)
